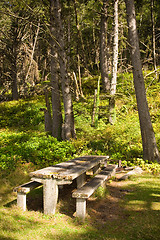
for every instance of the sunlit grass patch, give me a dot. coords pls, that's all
(137, 205)
(155, 206)
(143, 206)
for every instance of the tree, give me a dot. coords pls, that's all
(153, 35)
(56, 101)
(20, 42)
(112, 116)
(150, 150)
(103, 48)
(68, 127)
(14, 46)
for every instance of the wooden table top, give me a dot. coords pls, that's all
(69, 170)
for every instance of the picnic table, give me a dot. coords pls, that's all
(64, 173)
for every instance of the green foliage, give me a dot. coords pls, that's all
(32, 147)
(22, 115)
(90, 84)
(23, 139)
(153, 167)
(101, 192)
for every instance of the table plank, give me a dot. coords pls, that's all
(69, 170)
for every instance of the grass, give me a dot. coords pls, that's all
(130, 210)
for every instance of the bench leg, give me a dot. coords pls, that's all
(81, 208)
(81, 180)
(96, 168)
(21, 201)
(50, 196)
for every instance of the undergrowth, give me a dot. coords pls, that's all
(23, 139)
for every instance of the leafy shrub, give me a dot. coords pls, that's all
(101, 192)
(22, 136)
(39, 149)
(152, 167)
(22, 115)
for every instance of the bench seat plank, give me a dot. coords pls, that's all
(88, 189)
(84, 192)
(22, 191)
(27, 187)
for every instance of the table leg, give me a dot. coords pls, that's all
(50, 196)
(21, 200)
(81, 208)
(81, 180)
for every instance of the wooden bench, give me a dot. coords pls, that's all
(84, 192)
(22, 191)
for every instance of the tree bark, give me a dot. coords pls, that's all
(69, 130)
(103, 49)
(80, 38)
(150, 150)
(153, 35)
(56, 101)
(47, 114)
(14, 49)
(33, 50)
(112, 116)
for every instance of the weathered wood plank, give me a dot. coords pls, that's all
(69, 170)
(88, 189)
(22, 191)
(27, 187)
(83, 193)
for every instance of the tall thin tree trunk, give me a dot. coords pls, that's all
(33, 50)
(56, 101)
(112, 116)
(150, 150)
(47, 113)
(96, 60)
(79, 76)
(153, 35)
(79, 33)
(14, 49)
(103, 49)
(15, 95)
(76, 90)
(69, 130)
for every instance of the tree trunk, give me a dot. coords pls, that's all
(76, 88)
(47, 113)
(79, 76)
(14, 49)
(112, 111)
(153, 35)
(103, 49)
(33, 50)
(14, 79)
(150, 150)
(80, 38)
(69, 130)
(56, 101)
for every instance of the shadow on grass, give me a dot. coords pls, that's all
(6, 238)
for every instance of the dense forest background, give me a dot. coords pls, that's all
(54, 87)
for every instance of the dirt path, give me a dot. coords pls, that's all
(109, 208)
